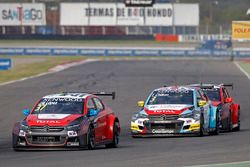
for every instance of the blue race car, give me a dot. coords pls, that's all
(175, 110)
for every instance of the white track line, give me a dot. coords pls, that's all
(222, 164)
(55, 69)
(242, 70)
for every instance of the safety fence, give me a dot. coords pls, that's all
(122, 52)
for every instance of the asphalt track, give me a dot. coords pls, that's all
(132, 80)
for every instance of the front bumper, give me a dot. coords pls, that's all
(46, 140)
(180, 127)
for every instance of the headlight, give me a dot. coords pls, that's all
(24, 126)
(194, 114)
(139, 115)
(74, 127)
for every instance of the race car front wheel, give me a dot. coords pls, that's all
(238, 127)
(201, 126)
(91, 138)
(116, 134)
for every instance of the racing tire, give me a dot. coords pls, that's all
(238, 127)
(14, 141)
(91, 138)
(201, 133)
(116, 136)
(229, 123)
(217, 128)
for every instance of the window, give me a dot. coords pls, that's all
(225, 94)
(99, 104)
(199, 97)
(91, 104)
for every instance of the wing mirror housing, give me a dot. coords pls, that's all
(26, 112)
(140, 103)
(92, 112)
(202, 103)
(229, 100)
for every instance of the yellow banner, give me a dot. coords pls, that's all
(241, 29)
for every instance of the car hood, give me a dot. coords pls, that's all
(167, 109)
(51, 119)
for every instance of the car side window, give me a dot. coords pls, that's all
(198, 95)
(91, 104)
(225, 94)
(99, 104)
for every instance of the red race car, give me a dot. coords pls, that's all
(229, 110)
(68, 120)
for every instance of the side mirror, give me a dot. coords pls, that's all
(140, 103)
(92, 112)
(229, 100)
(202, 103)
(26, 112)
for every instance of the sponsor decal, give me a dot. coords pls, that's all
(48, 122)
(162, 131)
(194, 126)
(168, 108)
(52, 116)
(165, 111)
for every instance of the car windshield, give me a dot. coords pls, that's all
(59, 106)
(171, 97)
(213, 94)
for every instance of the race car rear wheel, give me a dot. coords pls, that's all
(229, 123)
(91, 138)
(116, 135)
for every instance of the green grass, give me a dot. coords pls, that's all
(29, 69)
(245, 65)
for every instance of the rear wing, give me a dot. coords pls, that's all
(202, 86)
(228, 85)
(211, 86)
(112, 94)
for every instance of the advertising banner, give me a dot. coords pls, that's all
(26, 14)
(241, 29)
(5, 63)
(186, 14)
(112, 14)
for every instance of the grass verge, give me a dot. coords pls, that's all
(30, 69)
(245, 65)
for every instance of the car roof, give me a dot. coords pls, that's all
(176, 88)
(68, 95)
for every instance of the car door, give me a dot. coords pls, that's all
(226, 106)
(205, 109)
(93, 119)
(101, 120)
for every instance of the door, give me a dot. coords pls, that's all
(101, 120)
(205, 109)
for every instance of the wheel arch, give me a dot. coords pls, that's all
(110, 126)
